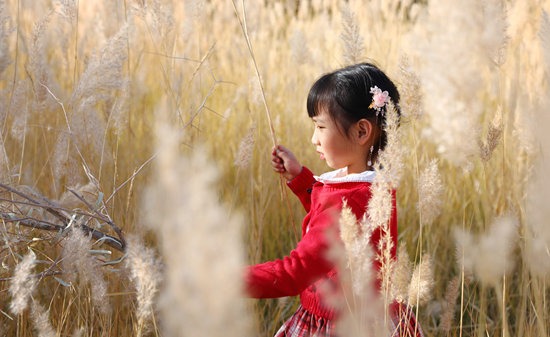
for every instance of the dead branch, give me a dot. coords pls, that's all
(65, 216)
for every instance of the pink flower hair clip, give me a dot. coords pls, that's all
(379, 99)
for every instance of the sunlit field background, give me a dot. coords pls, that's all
(153, 112)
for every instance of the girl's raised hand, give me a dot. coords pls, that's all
(285, 163)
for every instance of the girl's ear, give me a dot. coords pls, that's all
(364, 131)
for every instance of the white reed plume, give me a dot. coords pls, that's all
(200, 245)
(490, 255)
(20, 103)
(67, 9)
(145, 274)
(391, 158)
(544, 35)
(389, 168)
(494, 133)
(495, 254)
(537, 230)
(299, 48)
(459, 49)
(358, 251)
(5, 31)
(351, 37)
(355, 259)
(349, 228)
(410, 91)
(23, 284)
(401, 276)
(246, 149)
(88, 192)
(422, 282)
(103, 74)
(453, 289)
(430, 193)
(77, 257)
(120, 111)
(41, 321)
(38, 67)
(98, 83)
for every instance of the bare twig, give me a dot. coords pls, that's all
(98, 217)
(48, 208)
(108, 221)
(64, 216)
(109, 240)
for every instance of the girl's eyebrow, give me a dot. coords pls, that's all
(317, 119)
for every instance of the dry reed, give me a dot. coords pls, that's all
(110, 64)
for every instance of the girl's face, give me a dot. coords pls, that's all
(335, 147)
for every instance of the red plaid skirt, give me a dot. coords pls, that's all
(305, 324)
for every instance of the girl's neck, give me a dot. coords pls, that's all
(357, 168)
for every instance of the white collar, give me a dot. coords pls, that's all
(341, 176)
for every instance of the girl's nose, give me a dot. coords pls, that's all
(314, 137)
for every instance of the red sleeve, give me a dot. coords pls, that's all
(302, 185)
(306, 263)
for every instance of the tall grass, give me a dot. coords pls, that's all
(85, 85)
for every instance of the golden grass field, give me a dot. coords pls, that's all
(152, 111)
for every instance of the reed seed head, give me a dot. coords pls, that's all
(23, 284)
(430, 193)
(422, 282)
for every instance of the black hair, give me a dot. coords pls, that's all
(345, 95)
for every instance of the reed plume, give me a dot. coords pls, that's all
(422, 281)
(355, 260)
(410, 91)
(401, 276)
(299, 48)
(200, 246)
(78, 261)
(352, 40)
(145, 274)
(453, 290)
(456, 54)
(490, 255)
(359, 255)
(41, 321)
(38, 68)
(23, 284)
(5, 32)
(487, 147)
(537, 233)
(246, 149)
(430, 193)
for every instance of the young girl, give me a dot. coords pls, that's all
(348, 109)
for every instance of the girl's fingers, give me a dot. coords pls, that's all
(277, 164)
(276, 159)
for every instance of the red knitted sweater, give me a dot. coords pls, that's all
(307, 266)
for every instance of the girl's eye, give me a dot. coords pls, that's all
(319, 127)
